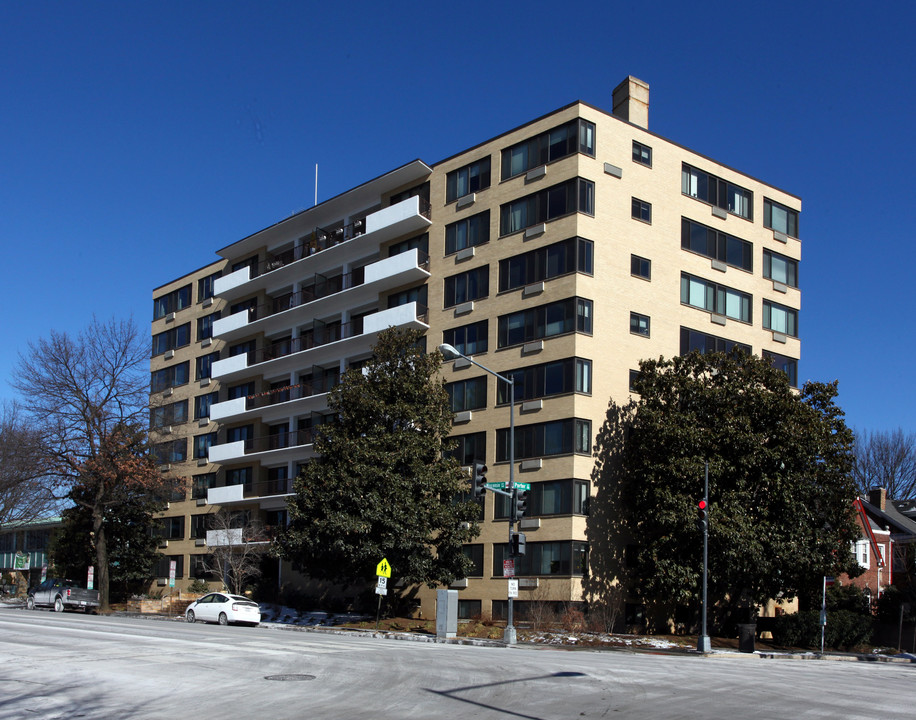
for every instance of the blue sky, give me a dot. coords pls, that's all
(138, 138)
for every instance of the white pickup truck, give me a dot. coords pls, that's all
(59, 594)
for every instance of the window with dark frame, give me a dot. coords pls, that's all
(576, 136)
(780, 268)
(172, 302)
(171, 339)
(561, 258)
(715, 298)
(780, 318)
(571, 196)
(640, 267)
(705, 343)
(558, 377)
(468, 339)
(642, 154)
(556, 318)
(554, 437)
(780, 218)
(714, 190)
(641, 210)
(469, 448)
(468, 179)
(468, 232)
(464, 287)
(716, 245)
(468, 394)
(787, 364)
(639, 324)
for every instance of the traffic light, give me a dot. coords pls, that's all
(479, 480)
(518, 544)
(519, 503)
(702, 522)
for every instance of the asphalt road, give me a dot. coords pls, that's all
(85, 666)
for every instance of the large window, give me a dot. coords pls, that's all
(420, 242)
(171, 339)
(554, 497)
(201, 483)
(467, 180)
(171, 414)
(163, 567)
(468, 339)
(205, 326)
(788, 365)
(204, 365)
(172, 451)
(568, 139)
(471, 285)
(202, 404)
(574, 254)
(717, 192)
(565, 557)
(470, 231)
(576, 195)
(203, 443)
(469, 448)
(470, 394)
(169, 377)
(780, 319)
(780, 218)
(556, 437)
(239, 476)
(171, 528)
(475, 554)
(780, 268)
(715, 298)
(553, 378)
(205, 287)
(705, 343)
(171, 302)
(544, 321)
(716, 245)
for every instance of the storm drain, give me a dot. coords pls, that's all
(289, 677)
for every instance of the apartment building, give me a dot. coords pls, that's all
(561, 252)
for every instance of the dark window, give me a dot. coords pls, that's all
(201, 483)
(163, 567)
(640, 267)
(241, 391)
(780, 319)
(788, 365)
(471, 231)
(239, 476)
(780, 268)
(634, 376)
(169, 377)
(715, 298)
(171, 302)
(171, 414)
(565, 557)
(468, 339)
(556, 437)
(642, 154)
(171, 528)
(576, 195)
(705, 343)
(205, 326)
(470, 394)
(547, 379)
(557, 318)
(420, 242)
(780, 218)
(716, 245)
(717, 192)
(639, 324)
(467, 180)
(205, 365)
(475, 553)
(421, 191)
(573, 137)
(554, 497)
(203, 403)
(202, 444)
(171, 339)
(641, 210)
(199, 525)
(470, 448)
(172, 451)
(471, 285)
(241, 433)
(567, 256)
(415, 294)
(205, 287)
(468, 609)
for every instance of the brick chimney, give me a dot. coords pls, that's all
(631, 101)
(878, 498)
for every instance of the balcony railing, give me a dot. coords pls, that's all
(296, 391)
(280, 441)
(321, 239)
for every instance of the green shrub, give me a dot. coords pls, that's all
(845, 630)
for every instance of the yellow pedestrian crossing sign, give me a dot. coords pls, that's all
(383, 569)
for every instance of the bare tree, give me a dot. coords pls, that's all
(237, 551)
(888, 460)
(87, 395)
(26, 491)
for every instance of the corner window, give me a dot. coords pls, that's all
(780, 268)
(780, 319)
(557, 437)
(639, 324)
(780, 218)
(558, 377)
(576, 195)
(567, 256)
(171, 302)
(640, 267)
(471, 231)
(788, 365)
(562, 141)
(642, 154)
(641, 210)
(467, 180)
(558, 318)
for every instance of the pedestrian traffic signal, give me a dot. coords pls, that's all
(518, 544)
(519, 503)
(702, 521)
(479, 482)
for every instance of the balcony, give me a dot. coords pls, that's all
(268, 494)
(321, 250)
(323, 294)
(278, 403)
(269, 448)
(321, 344)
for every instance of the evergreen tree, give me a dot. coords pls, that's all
(383, 485)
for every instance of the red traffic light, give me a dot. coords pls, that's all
(701, 504)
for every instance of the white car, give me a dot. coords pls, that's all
(224, 608)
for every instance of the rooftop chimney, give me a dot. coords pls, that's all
(878, 498)
(631, 101)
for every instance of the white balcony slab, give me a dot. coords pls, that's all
(222, 538)
(224, 495)
(223, 410)
(227, 283)
(225, 325)
(226, 366)
(226, 451)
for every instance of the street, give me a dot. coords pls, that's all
(72, 665)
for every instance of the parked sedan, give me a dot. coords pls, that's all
(224, 608)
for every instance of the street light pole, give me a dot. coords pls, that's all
(450, 353)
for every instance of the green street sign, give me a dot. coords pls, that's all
(502, 485)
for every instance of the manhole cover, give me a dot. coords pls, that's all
(289, 677)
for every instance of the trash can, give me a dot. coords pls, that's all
(746, 634)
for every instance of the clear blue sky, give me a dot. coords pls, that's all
(137, 138)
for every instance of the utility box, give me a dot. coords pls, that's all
(446, 614)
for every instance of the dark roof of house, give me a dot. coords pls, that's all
(891, 517)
